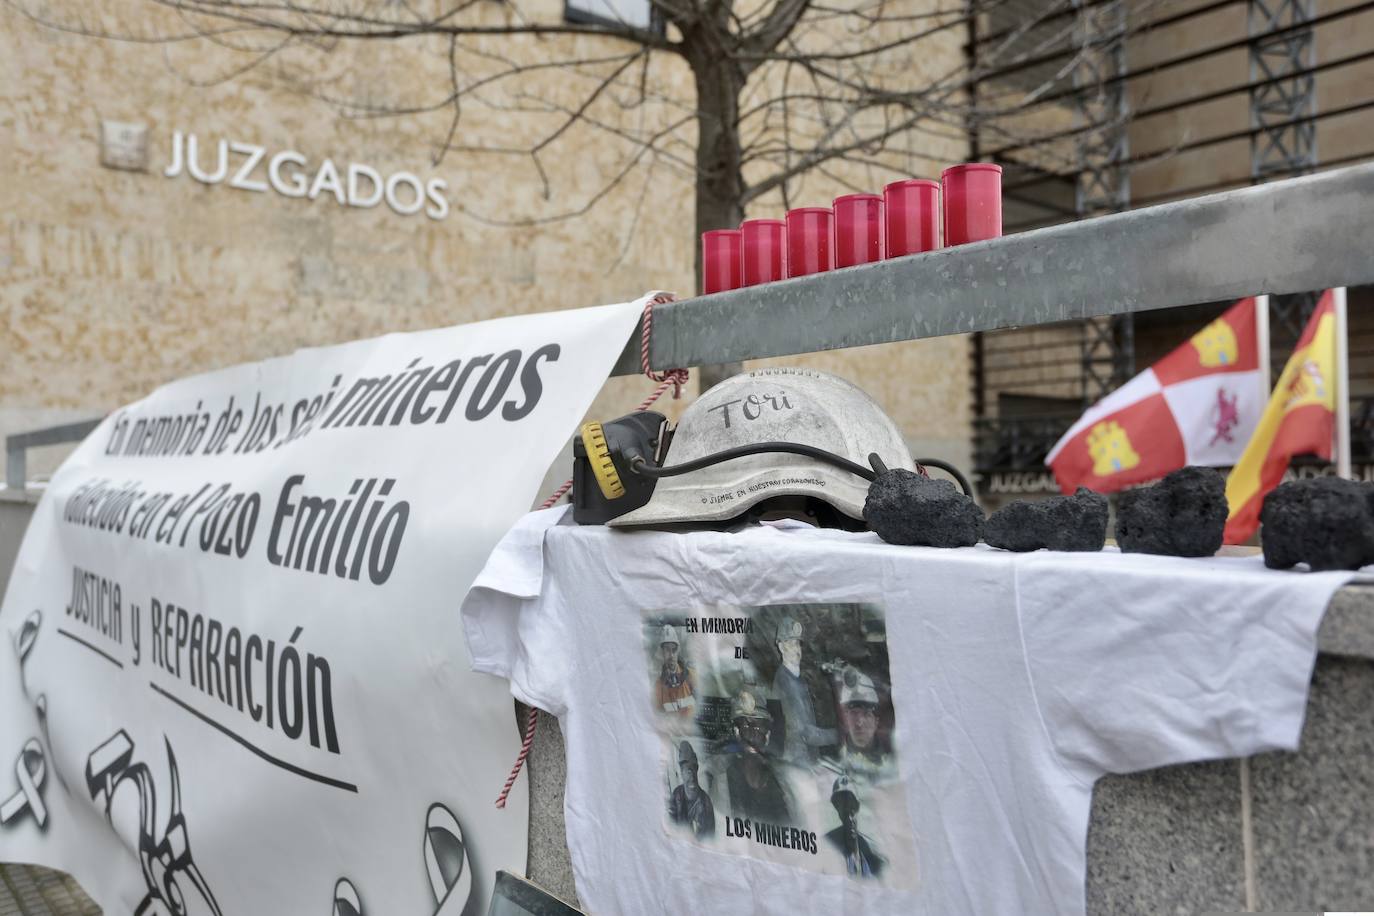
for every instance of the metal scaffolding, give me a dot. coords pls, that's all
(1101, 115)
(1283, 99)
(1283, 105)
(1186, 72)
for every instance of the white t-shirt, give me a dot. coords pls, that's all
(799, 721)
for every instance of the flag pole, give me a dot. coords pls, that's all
(1262, 333)
(1342, 386)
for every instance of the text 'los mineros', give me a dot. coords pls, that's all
(771, 834)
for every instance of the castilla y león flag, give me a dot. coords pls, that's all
(1299, 419)
(1198, 405)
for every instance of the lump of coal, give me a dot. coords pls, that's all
(905, 508)
(1327, 523)
(1077, 522)
(1183, 515)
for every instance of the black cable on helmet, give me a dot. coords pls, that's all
(640, 466)
(949, 469)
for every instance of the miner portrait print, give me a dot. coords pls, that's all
(865, 746)
(752, 780)
(802, 737)
(861, 856)
(688, 802)
(673, 691)
(778, 736)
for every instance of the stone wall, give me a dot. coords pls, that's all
(1278, 832)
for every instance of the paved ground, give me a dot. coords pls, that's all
(27, 890)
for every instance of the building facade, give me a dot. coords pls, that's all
(1146, 103)
(170, 210)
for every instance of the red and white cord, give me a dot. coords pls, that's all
(531, 721)
(675, 378)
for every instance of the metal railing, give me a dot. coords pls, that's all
(1287, 236)
(1283, 237)
(17, 446)
(1017, 443)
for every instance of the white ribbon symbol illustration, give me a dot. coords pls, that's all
(28, 635)
(346, 901)
(446, 861)
(31, 769)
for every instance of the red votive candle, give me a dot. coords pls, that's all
(764, 242)
(720, 260)
(912, 209)
(858, 229)
(810, 240)
(973, 202)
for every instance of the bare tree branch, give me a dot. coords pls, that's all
(783, 88)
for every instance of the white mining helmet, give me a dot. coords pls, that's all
(807, 410)
(858, 689)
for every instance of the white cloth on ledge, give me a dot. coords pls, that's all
(1006, 684)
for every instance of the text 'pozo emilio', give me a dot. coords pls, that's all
(343, 534)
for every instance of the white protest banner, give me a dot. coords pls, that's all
(234, 679)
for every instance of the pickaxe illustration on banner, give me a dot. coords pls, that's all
(165, 856)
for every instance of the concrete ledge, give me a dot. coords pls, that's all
(26, 497)
(1172, 840)
(1178, 840)
(1348, 627)
(1313, 833)
(1167, 841)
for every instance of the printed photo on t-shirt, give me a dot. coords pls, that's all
(777, 729)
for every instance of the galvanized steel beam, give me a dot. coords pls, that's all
(1282, 237)
(17, 446)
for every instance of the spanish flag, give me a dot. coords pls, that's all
(1299, 419)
